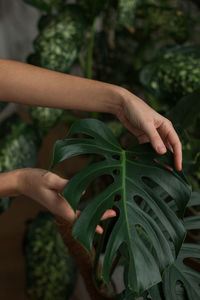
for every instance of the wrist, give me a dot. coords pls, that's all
(117, 99)
(10, 183)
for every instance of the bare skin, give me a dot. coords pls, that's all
(31, 85)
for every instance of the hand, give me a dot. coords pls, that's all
(149, 126)
(45, 187)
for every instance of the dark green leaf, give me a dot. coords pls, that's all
(185, 112)
(179, 272)
(129, 170)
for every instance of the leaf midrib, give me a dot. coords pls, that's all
(124, 191)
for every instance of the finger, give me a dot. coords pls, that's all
(99, 229)
(55, 182)
(143, 139)
(110, 213)
(57, 204)
(177, 149)
(154, 138)
(172, 141)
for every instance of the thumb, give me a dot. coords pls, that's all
(55, 182)
(155, 138)
(58, 205)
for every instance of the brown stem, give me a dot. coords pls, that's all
(82, 259)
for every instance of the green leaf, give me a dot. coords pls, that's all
(179, 279)
(126, 12)
(174, 73)
(58, 44)
(92, 7)
(50, 269)
(44, 118)
(45, 5)
(134, 172)
(18, 149)
(179, 272)
(186, 111)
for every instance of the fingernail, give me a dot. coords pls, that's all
(161, 149)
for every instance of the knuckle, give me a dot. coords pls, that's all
(169, 123)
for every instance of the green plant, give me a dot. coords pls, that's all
(44, 118)
(51, 273)
(17, 150)
(147, 233)
(67, 29)
(112, 41)
(174, 73)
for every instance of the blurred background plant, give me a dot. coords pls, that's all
(150, 47)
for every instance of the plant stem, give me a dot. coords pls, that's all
(89, 60)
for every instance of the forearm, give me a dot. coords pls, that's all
(31, 85)
(9, 183)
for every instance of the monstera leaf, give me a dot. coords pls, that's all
(181, 282)
(133, 172)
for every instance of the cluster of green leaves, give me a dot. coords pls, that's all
(51, 272)
(17, 150)
(126, 12)
(147, 227)
(169, 20)
(59, 41)
(174, 73)
(44, 118)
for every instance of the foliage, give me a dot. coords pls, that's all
(171, 21)
(140, 207)
(59, 42)
(185, 117)
(113, 41)
(51, 273)
(126, 12)
(181, 280)
(174, 73)
(44, 118)
(46, 5)
(92, 8)
(17, 150)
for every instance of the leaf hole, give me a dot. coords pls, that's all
(117, 198)
(137, 199)
(180, 290)
(149, 182)
(116, 172)
(98, 185)
(157, 189)
(116, 156)
(193, 263)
